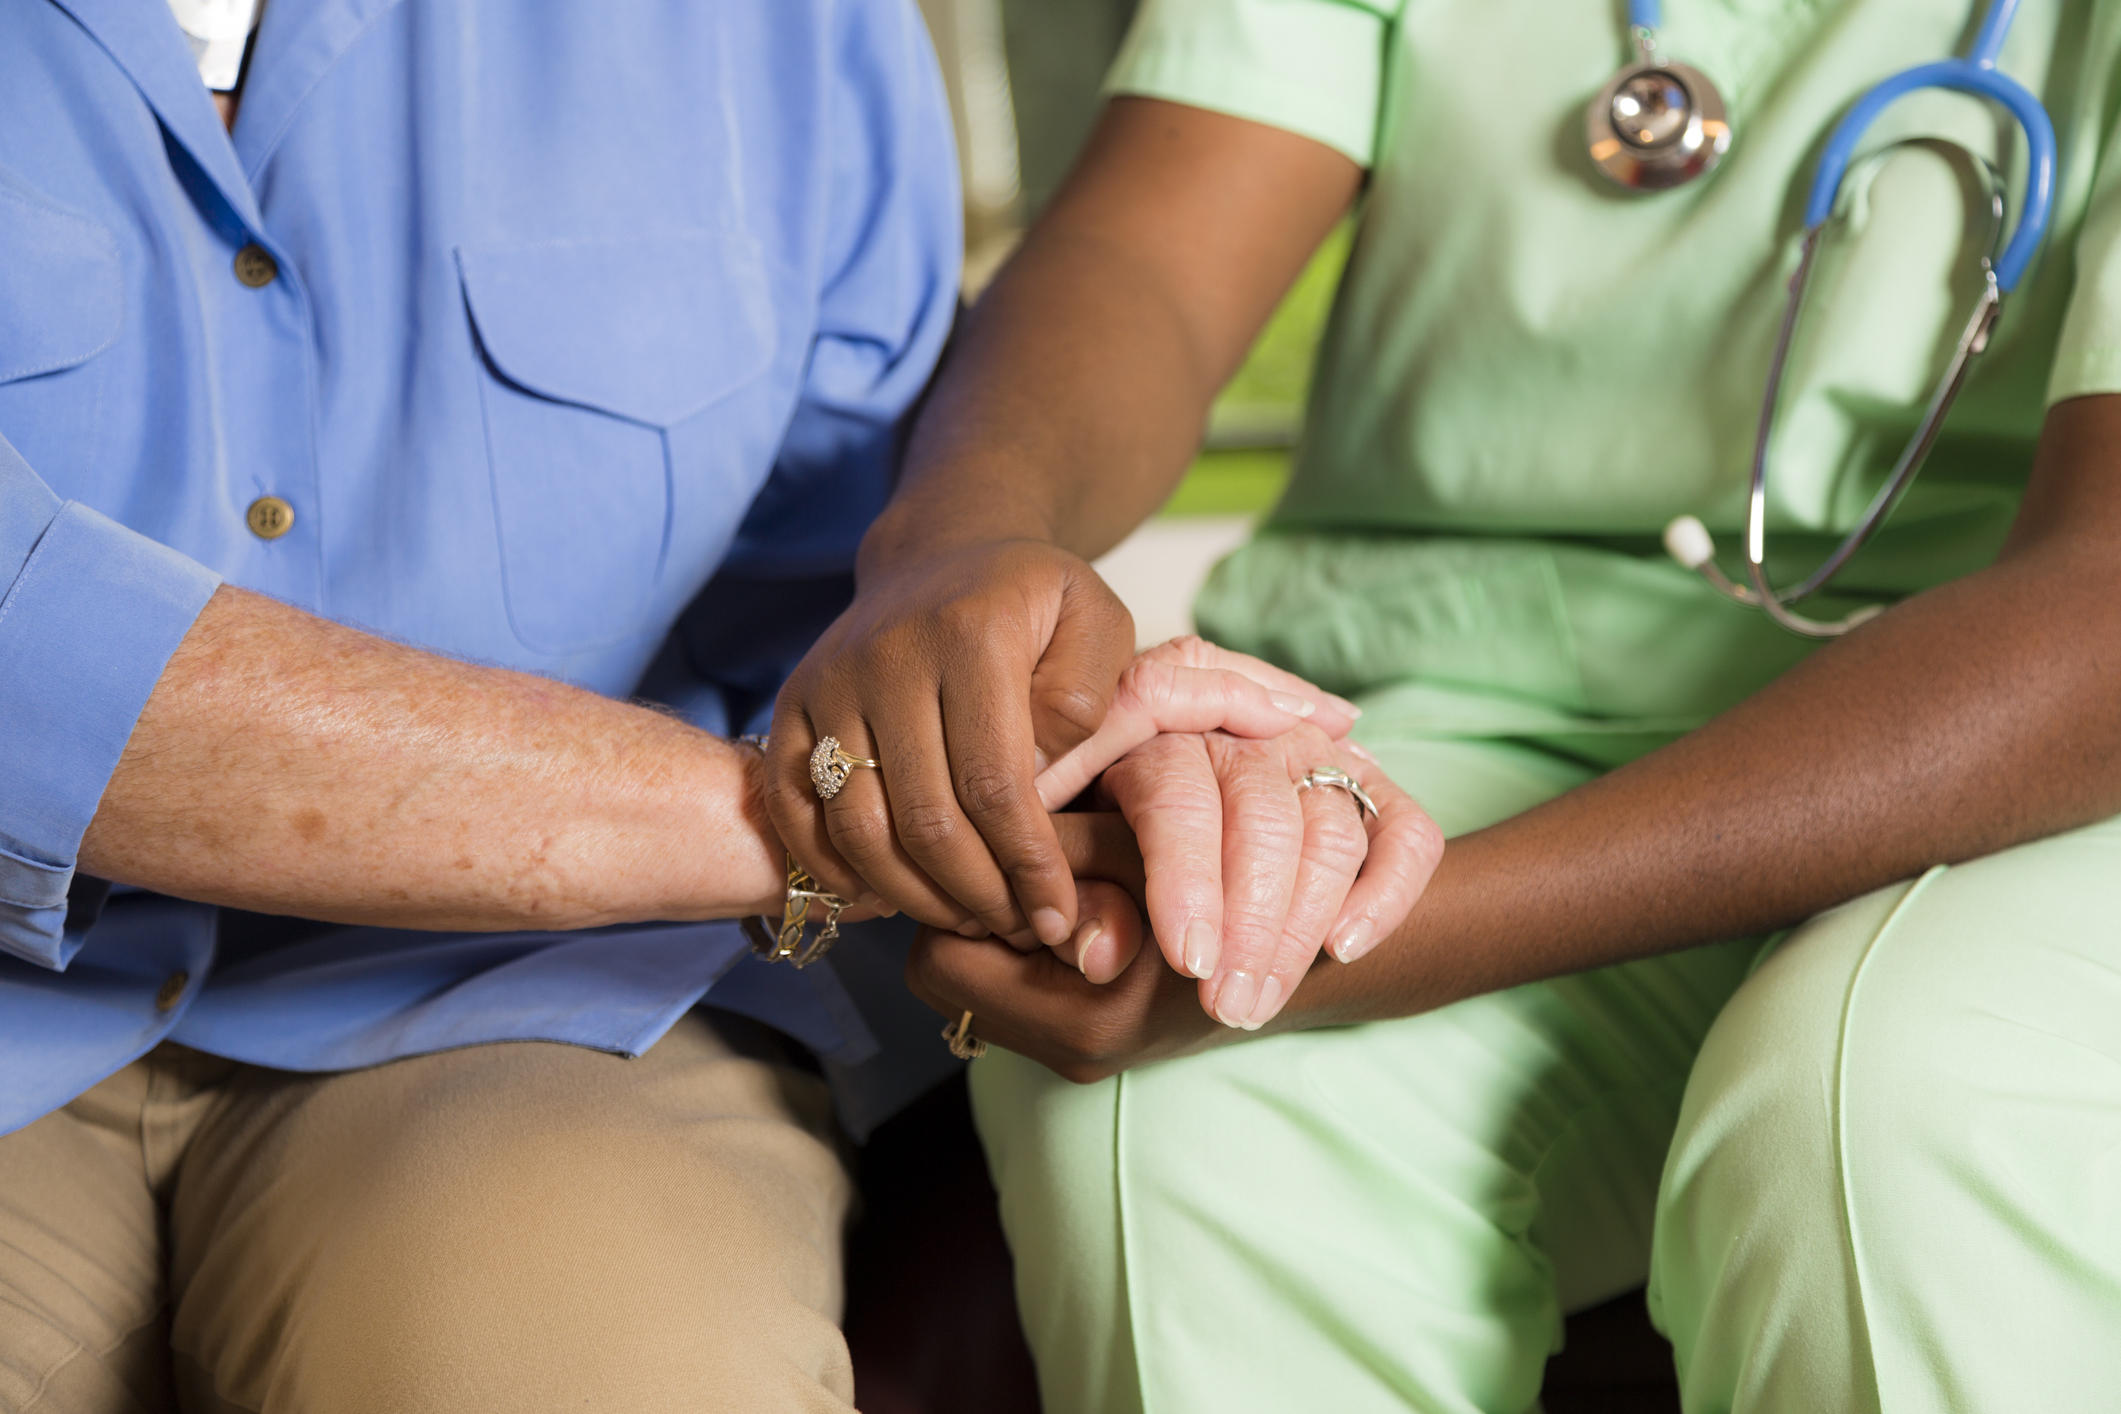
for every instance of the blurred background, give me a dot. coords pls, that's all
(1024, 78)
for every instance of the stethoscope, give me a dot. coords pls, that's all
(1659, 123)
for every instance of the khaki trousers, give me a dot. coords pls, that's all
(516, 1227)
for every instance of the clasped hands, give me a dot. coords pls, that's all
(1042, 786)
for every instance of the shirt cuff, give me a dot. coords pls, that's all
(85, 631)
(1311, 67)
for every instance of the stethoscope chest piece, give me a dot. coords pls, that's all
(1656, 125)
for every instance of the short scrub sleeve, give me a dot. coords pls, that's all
(2088, 355)
(1312, 67)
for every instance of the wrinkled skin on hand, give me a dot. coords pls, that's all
(1249, 876)
(961, 675)
(965, 677)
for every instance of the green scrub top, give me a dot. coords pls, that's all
(1528, 372)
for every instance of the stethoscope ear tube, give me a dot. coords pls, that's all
(1973, 340)
(1963, 76)
(1689, 542)
(1686, 538)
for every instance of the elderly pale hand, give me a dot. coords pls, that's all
(1247, 874)
(1189, 685)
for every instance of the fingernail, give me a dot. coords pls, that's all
(1235, 999)
(1344, 705)
(875, 904)
(1352, 942)
(1202, 949)
(1052, 929)
(1355, 749)
(1085, 937)
(1293, 705)
(1270, 994)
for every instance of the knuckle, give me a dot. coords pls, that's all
(1175, 808)
(1311, 741)
(1190, 649)
(1250, 924)
(1130, 776)
(1171, 757)
(786, 801)
(963, 616)
(925, 827)
(988, 792)
(794, 692)
(1148, 681)
(1270, 839)
(1338, 843)
(1425, 839)
(1074, 705)
(897, 658)
(1263, 791)
(862, 833)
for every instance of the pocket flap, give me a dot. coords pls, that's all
(61, 292)
(651, 328)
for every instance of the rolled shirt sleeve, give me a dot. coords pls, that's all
(89, 615)
(1312, 67)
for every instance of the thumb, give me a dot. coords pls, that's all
(1109, 935)
(1073, 682)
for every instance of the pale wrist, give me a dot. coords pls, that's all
(764, 869)
(719, 855)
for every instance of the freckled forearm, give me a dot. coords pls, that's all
(287, 764)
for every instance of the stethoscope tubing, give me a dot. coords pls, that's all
(1975, 75)
(1982, 81)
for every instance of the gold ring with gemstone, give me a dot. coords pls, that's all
(963, 1044)
(831, 764)
(1338, 779)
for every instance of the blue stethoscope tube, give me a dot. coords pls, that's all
(1686, 538)
(1976, 74)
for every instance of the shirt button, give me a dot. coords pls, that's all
(172, 991)
(269, 517)
(255, 266)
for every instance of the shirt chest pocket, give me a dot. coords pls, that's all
(592, 351)
(61, 303)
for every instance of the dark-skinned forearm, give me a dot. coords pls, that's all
(1076, 389)
(1978, 715)
(999, 454)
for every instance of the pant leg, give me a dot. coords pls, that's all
(82, 1312)
(1897, 1182)
(518, 1227)
(1380, 1218)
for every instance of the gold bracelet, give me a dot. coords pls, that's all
(788, 944)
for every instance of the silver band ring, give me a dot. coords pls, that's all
(831, 765)
(1338, 779)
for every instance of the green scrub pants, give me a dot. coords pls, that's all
(1876, 1166)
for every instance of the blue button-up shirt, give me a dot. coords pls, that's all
(587, 352)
